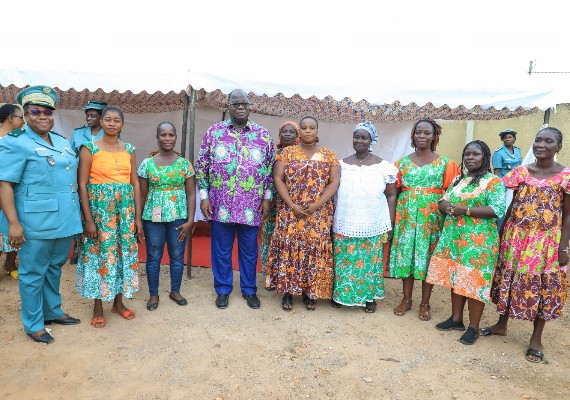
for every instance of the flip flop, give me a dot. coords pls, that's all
(128, 314)
(98, 322)
(536, 353)
(489, 332)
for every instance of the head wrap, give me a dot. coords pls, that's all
(293, 124)
(368, 127)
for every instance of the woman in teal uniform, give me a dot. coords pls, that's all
(38, 187)
(507, 157)
(11, 118)
(92, 131)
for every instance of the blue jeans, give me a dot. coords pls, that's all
(156, 234)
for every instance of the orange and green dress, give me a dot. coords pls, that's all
(301, 256)
(467, 250)
(108, 265)
(418, 221)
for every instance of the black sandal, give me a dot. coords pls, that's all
(370, 307)
(287, 302)
(536, 353)
(311, 305)
(335, 304)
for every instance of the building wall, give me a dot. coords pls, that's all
(454, 133)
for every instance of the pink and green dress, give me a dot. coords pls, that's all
(529, 283)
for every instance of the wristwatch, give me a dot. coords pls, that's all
(468, 212)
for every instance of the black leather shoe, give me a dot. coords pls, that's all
(69, 320)
(180, 302)
(223, 300)
(43, 338)
(252, 300)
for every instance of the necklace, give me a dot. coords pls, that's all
(360, 160)
(113, 154)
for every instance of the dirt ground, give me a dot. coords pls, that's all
(200, 352)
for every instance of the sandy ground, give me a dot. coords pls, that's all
(200, 352)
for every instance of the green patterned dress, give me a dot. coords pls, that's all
(108, 264)
(468, 247)
(418, 220)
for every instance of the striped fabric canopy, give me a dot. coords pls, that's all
(327, 109)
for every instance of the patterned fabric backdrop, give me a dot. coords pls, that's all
(326, 110)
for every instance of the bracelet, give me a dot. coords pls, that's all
(468, 212)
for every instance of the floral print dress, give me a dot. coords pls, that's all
(108, 265)
(418, 220)
(528, 282)
(466, 252)
(300, 256)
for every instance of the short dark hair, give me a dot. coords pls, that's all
(309, 117)
(159, 127)
(6, 111)
(114, 109)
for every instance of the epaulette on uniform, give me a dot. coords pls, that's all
(497, 149)
(81, 127)
(17, 132)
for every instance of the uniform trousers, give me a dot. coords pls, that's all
(39, 277)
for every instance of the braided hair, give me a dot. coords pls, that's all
(485, 163)
(436, 132)
(556, 131)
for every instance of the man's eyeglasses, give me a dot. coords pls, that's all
(36, 113)
(238, 105)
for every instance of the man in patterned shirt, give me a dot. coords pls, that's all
(233, 174)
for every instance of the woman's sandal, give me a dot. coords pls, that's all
(287, 302)
(98, 322)
(403, 307)
(335, 304)
(425, 313)
(311, 305)
(370, 307)
(128, 314)
(536, 353)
